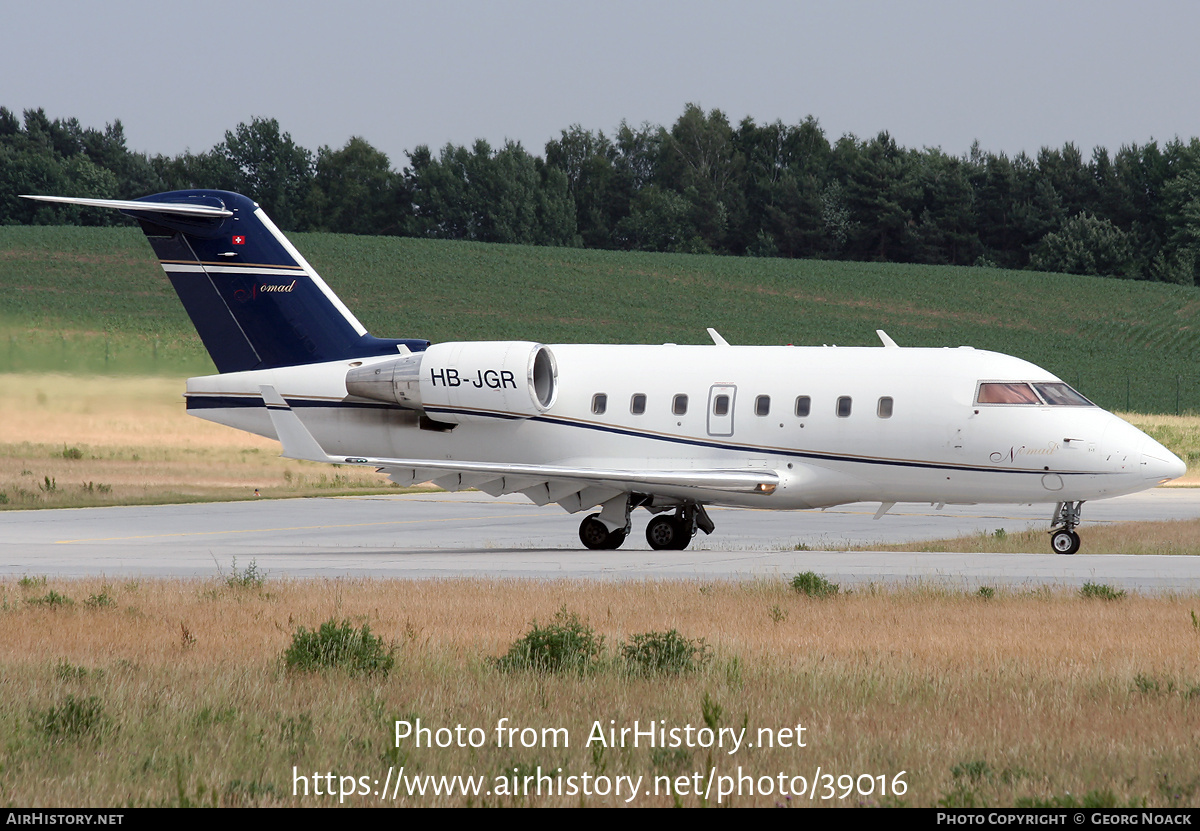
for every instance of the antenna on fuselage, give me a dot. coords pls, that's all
(716, 336)
(887, 342)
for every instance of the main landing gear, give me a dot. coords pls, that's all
(606, 530)
(665, 532)
(595, 534)
(669, 533)
(675, 532)
(1063, 539)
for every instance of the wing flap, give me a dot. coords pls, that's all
(403, 478)
(463, 481)
(506, 484)
(589, 497)
(537, 494)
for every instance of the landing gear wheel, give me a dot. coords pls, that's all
(1063, 539)
(661, 533)
(1064, 542)
(667, 533)
(595, 535)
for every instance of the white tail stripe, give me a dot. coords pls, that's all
(172, 268)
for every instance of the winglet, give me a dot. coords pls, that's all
(297, 442)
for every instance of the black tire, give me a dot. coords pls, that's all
(667, 533)
(1064, 542)
(595, 535)
(660, 533)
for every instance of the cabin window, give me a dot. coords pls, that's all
(679, 404)
(1006, 393)
(762, 405)
(721, 405)
(884, 410)
(803, 405)
(637, 404)
(599, 403)
(843, 406)
(1061, 395)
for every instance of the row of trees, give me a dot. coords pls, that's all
(703, 185)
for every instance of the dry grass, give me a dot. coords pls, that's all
(68, 441)
(108, 412)
(1037, 693)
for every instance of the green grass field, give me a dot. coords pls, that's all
(95, 300)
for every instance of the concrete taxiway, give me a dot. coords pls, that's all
(472, 535)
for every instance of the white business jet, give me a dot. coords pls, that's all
(667, 428)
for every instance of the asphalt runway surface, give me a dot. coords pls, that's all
(440, 535)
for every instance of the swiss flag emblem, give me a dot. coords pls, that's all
(239, 240)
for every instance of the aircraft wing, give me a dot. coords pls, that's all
(573, 488)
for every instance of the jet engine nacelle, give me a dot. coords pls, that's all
(459, 381)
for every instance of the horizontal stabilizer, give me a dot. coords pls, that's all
(132, 205)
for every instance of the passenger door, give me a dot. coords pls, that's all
(720, 409)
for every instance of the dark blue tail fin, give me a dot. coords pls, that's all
(254, 300)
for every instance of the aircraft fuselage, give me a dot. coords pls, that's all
(839, 424)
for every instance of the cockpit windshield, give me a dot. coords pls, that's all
(1061, 395)
(1054, 394)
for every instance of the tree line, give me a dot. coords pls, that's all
(703, 185)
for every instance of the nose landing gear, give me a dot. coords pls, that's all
(1063, 539)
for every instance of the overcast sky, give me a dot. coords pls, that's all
(1014, 75)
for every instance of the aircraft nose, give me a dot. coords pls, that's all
(1131, 451)
(1160, 464)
